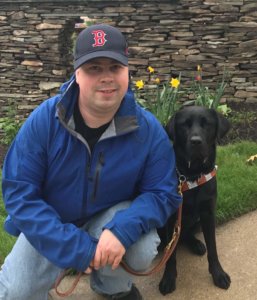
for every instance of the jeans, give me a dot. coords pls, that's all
(26, 275)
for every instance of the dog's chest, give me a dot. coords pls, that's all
(191, 202)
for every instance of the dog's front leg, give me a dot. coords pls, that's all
(168, 282)
(220, 277)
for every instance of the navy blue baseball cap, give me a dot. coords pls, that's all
(100, 40)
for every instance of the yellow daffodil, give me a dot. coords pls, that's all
(174, 82)
(139, 84)
(150, 69)
(157, 80)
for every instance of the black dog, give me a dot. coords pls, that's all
(195, 131)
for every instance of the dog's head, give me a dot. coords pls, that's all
(195, 130)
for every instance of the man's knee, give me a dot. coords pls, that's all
(12, 290)
(25, 274)
(140, 255)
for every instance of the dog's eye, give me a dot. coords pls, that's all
(188, 123)
(203, 122)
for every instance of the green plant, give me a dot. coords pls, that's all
(243, 123)
(203, 96)
(10, 125)
(238, 117)
(164, 99)
(159, 98)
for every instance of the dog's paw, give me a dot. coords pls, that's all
(221, 279)
(167, 286)
(197, 247)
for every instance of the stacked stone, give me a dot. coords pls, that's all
(31, 64)
(172, 36)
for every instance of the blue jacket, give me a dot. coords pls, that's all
(52, 183)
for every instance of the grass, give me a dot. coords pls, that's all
(6, 241)
(237, 192)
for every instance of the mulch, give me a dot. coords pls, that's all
(243, 119)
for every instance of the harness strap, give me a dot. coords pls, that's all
(188, 185)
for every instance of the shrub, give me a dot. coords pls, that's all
(10, 125)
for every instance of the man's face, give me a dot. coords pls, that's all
(103, 83)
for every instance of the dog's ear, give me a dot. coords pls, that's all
(223, 125)
(170, 128)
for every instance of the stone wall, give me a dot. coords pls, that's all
(173, 36)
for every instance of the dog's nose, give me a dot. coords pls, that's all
(196, 140)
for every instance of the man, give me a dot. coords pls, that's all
(87, 180)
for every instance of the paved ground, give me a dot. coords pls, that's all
(237, 248)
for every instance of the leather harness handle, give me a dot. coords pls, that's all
(167, 253)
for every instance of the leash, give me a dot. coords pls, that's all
(167, 253)
(73, 286)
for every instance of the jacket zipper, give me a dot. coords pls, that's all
(99, 166)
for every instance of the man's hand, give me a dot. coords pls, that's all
(109, 251)
(88, 270)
